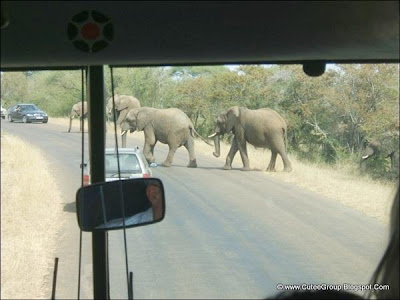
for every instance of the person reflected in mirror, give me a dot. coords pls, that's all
(154, 194)
(155, 211)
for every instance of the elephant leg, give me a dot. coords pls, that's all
(70, 124)
(271, 166)
(170, 157)
(148, 151)
(363, 165)
(150, 142)
(231, 155)
(287, 165)
(189, 145)
(243, 154)
(80, 123)
(152, 151)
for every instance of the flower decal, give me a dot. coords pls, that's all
(90, 31)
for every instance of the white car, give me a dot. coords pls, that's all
(132, 164)
(3, 112)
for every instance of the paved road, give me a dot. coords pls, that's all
(226, 234)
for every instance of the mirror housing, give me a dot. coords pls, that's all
(99, 208)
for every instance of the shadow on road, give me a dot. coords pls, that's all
(25, 124)
(214, 168)
(70, 207)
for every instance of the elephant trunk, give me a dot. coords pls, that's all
(217, 146)
(123, 138)
(362, 165)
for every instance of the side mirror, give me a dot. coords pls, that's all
(99, 206)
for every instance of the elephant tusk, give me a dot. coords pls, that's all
(123, 132)
(365, 157)
(211, 136)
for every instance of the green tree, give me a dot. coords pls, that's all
(150, 85)
(367, 100)
(14, 88)
(55, 91)
(187, 72)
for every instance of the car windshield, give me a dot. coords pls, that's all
(236, 226)
(29, 108)
(128, 164)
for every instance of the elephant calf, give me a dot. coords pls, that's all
(78, 111)
(263, 128)
(169, 126)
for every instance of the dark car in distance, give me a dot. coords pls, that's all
(27, 113)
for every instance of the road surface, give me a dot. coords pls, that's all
(226, 234)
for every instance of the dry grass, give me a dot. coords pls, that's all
(339, 183)
(65, 122)
(75, 124)
(30, 218)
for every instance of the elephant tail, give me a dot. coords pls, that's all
(285, 139)
(193, 131)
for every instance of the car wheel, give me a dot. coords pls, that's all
(45, 121)
(24, 119)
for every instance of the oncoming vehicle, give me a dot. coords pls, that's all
(3, 112)
(9, 110)
(27, 113)
(132, 164)
(204, 249)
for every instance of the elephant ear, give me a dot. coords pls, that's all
(122, 102)
(110, 102)
(142, 119)
(221, 118)
(232, 117)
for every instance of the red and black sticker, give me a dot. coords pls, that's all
(90, 31)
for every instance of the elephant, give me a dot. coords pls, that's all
(263, 128)
(169, 126)
(386, 147)
(123, 104)
(76, 112)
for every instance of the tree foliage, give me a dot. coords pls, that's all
(329, 117)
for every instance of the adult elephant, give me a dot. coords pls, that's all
(386, 147)
(123, 104)
(263, 128)
(78, 111)
(170, 126)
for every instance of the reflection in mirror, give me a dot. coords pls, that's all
(99, 205)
